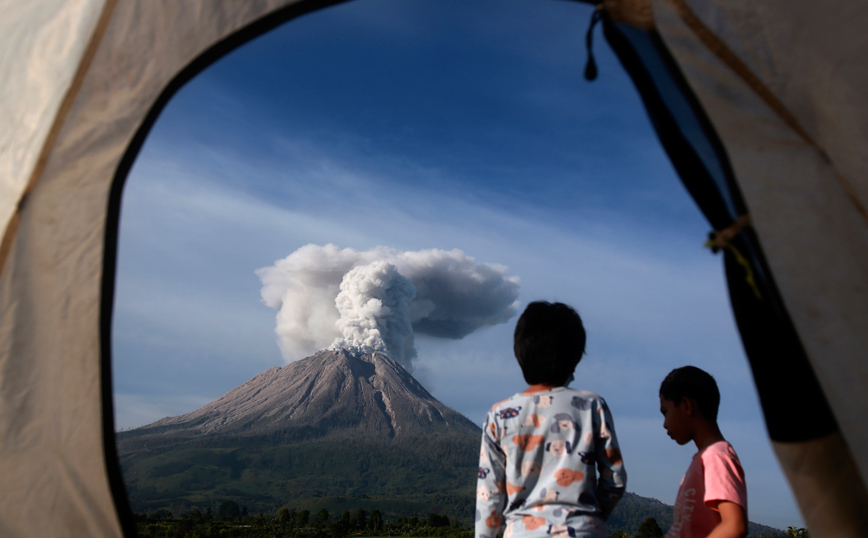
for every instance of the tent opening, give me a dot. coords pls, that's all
(377, 124)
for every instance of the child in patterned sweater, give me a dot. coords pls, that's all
(549, 462)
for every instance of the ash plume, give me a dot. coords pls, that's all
(374, 308)
(375, 300)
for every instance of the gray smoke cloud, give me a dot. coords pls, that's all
(376, 300)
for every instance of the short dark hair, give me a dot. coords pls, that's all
(549, 342)
(696, 384)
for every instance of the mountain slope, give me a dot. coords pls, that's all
(332, 391)
(336, 424)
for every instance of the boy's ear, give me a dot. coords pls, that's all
(688, 405)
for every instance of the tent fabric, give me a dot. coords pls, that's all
(777, 359)
(71, 125)
(804, 431)
(81, 81)
(827, 486)
(42, 45)
(781, 84)
(803, 190)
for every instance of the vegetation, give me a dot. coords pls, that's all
(649, 529)
(634, 511)
(409, 476)
(232, 523)
(331, 487)
(292, 524)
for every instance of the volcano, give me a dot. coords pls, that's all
(331, 392)
(337, 430)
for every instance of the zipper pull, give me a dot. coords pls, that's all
(591, 65)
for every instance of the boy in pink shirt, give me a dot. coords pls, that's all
(712, 499)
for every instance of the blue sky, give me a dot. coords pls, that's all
(431, 124)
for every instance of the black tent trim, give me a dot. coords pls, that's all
(781, 369)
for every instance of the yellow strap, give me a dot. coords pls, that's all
(748, 272)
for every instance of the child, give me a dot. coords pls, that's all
(712, 499)
(542, 449)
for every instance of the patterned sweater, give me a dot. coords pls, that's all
(549, 465)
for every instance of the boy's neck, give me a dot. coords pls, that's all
(706, 434)
(539, 387)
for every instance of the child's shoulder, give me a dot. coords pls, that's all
(720, 465)
(502, 402)
(586, 394)
(518, 400)
(719, 446)
(585, 399)
(719, 451)
(580, 399)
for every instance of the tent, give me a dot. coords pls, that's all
(760, 105)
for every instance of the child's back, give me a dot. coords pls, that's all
(549, 462)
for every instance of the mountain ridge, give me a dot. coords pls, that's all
(332, 390)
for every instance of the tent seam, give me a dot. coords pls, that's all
(731, 60)
(62, 112)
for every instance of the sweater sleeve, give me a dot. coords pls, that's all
(491, 496)
(612, 480)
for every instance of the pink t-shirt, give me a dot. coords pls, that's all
(714, 475)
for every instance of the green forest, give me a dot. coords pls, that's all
(230, 520)
(251, 488)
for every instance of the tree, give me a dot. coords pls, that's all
(302, 518)
(228, 510)
(376, 521)
(360, 521)
(322, 517)
(342, 525)
(435, 520)
(283, 516)
(649, 529)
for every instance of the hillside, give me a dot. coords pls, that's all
(337, 430)
(334, 425)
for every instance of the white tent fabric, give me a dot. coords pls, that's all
(784, 85)
(78, 79)
(42, 46)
